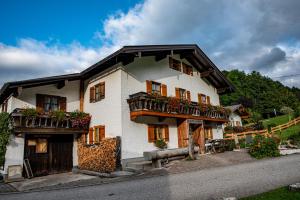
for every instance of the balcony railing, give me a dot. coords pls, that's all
(21, 121)
(171, 106)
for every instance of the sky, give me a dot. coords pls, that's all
(51, 37)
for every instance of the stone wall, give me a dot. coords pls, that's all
(100, 158)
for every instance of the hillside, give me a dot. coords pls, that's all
(260, 93)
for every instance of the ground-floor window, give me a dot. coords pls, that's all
(157, 132)
(95, 135)
(208, 133)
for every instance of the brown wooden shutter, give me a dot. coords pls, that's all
(91, 131)
(92, 94)
(40, 103)
(102, 132)
(199, 98)
(63, 104)
(188, 95)
(177, 93)
(166, 133)
(163, 90)
(149, 87)
(207, 99)
(102, 90)
(151, 137)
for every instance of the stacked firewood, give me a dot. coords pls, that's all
(100, 157)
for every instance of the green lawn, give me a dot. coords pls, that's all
(278, 194)
(276, 120)
(293, 130)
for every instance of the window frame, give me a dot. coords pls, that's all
(98, 92)
(175, 64)
(155, 91)
(163, 128)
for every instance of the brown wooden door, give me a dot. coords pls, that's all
(182, 133)
(49, 154)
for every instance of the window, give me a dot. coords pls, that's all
(4, 106)
(156, 132)
(182, 94)
(95, 135)
(187, 69)
(97, 92)
(50, 103)
(174, 64)
(203, 98)
(208, 133)
(41, 146)
(156, 88)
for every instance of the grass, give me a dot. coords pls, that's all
(282, 119)
(293, 130)
(278, 194)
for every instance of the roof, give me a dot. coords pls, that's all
(238, 109)
(234, 108)
(126, 55)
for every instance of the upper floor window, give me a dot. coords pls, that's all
(156, 88)
(175, 64)
(187, 69)
(203, 99)
(48, 103)
(97, 92)
(183, 94)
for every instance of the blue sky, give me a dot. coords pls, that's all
(65, 21)
(42, 38)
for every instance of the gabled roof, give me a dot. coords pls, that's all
(126, 55)
(238, 109)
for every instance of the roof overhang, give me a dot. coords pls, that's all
(191, 52)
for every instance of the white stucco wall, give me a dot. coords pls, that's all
(134, 76)
(14, 152)
(233, 118)
(28, 95)
(108, 110)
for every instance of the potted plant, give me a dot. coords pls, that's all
(80, 119)
(58, 115)
(161, 144)
(173, 104)
(30, 114)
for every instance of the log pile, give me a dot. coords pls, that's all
(100, 157)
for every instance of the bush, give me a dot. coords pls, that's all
(229, 145)
(4, 135)
(161, 144)
(264, 147)
(269, 126)
(297, 112)
(258, 126)
(30, 112)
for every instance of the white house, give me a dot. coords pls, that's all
(140, 93)
(238, 112)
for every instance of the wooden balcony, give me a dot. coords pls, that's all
(143, 104)
(43, 123)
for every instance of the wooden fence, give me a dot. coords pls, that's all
(230, 136)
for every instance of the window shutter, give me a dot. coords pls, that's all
(188, 95)
(199, 98)
(207, 99)
(63, 104)
(166, 133)
(39, 103)
(149, 87)
(102, 132)
(91, 130)
(151, 137)
(177, 93)
(163, 90)
(92, 94)
(102, 90)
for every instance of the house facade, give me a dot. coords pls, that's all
(237, 114)
(140, 93)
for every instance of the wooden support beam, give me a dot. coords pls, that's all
(206, 73)
(81, 95)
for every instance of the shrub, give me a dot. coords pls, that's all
(229, 145)
(258, 126)
(263, 147)
(269, 126)
(297, 112)
(161, 144)
(4, 135)
(58, 114)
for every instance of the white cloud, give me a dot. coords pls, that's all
(234, 34)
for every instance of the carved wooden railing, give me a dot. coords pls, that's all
(145, 102)
(45, 120)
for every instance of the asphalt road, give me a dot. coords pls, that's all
(238, 180)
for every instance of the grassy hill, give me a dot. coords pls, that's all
(282, 119)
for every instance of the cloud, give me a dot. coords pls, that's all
(261, 35)
(270, 59)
